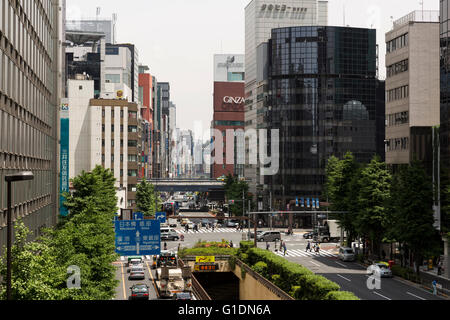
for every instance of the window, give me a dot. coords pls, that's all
(112, 78)
(132, 173)
(132, 158)
(132, 143)
(133, 129)
(132, 114)
(397, 43)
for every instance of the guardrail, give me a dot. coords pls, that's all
(269, 285)
(197, 288)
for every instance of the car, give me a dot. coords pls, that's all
(380, 269)
(205, 222)
(135, 264)
(346, 254)
(309, 235)
(169, 234)
(168, 258)
(139, 291)
(252, 234)
(269, 236)
(232, 223)
(137, 273)
(182, 296)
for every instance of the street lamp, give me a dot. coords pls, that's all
(21, 176)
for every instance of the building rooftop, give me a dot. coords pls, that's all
(418, 16)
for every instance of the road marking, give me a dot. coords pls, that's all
(315, 263)
(123, 285)
(341, 264)
(381, 295)
(415, 296)
(153, 280)
(344, 278)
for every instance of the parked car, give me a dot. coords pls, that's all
(252, 234)
(346, 254)
(139, 292)
(268, 236)
(232, 223)
(137, 273)
(380, 269)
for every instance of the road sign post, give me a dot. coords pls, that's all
(138, 237)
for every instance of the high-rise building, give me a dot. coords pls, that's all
(145, 98)
(261, 16)
(412, 88)
(105, 26)
(30, 97)
(322, 103)
(229, 103)
(445, 82)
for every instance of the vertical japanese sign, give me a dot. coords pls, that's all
(64, 157)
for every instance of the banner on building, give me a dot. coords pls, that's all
(64, 157)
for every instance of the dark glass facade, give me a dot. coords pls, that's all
(323, 98)
(445, 82)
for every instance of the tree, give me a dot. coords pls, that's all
(373, 196)
(146, 198)
(235, 189)
(413, 217)
(342, 176)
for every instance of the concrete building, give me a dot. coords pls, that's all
(105, 26)
(145, 98)
(30, 97)
(412, 88)
(229, 105)
(261, 16)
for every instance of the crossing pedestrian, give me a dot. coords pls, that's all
(308, 246)
(284, 247)
(267, 246)
(165, 245)
(231, 244)
(318, 249)
(434, 283)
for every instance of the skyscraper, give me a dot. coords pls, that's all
(30, 96)
(261, 16)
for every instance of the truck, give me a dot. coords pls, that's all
(170, 281)
(331, 232)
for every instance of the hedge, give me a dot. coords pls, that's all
(405, 273)
(340, 295)
(299, 281)
(212, 251)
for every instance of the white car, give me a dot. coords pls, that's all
(380, 269)
(346, 254)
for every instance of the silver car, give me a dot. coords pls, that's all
(380, 269)
(346, 254)
(268, 236)
(137, 273)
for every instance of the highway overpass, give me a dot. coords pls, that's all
(187, 185)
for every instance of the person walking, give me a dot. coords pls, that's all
(308, 246)
(231, 244)
(318, 249)
(267, 246)
(439, 266)
(434, 283)
(165, 245)
(284, 247)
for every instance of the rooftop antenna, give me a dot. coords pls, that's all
(98, 12)
(114, 18)
(344, 14)
(421, 3)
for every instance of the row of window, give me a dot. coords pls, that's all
(131, 143)
(131, 114)
(397, 144)
(397, 43)
(397, 93)
(397, 119)
(131, 158)
(131, 129)
(397, 68)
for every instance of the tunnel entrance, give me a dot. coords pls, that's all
(220, 285)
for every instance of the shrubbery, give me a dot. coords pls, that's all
(298, 281)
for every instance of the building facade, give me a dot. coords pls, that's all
(322, 102)
(261, 16)
(229, 104)
(445, 82)
(105, 26)
(30, 97)
(412, 88)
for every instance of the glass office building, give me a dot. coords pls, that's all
(323, 98)
(445, 82)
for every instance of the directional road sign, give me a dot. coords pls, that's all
(161, 217)
(138, 237)
(138, 216)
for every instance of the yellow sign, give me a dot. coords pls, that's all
(208, 259)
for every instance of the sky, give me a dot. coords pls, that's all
(177, 39)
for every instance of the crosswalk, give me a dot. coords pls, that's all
(303, 253)
(216, 230)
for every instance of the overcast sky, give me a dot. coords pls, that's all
(178, 38)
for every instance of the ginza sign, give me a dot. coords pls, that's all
(282, 7)
(234, 100)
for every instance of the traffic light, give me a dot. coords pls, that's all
(231, 202)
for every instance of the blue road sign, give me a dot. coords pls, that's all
(161, 217)
(138, 216)
(307, 202)
(138, 237)
(302, 201)
(317, 204)
(296, 202)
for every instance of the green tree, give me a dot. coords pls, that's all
(373, 196)
(413, 217)
(341, 178)
(146, 198)
(235, 189)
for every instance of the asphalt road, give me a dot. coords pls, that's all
(349, 275)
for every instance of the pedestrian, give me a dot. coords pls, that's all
(434, 283)
(179, 247)
(267, 246)
(439, 268)
(281, 245)
(308, 246)
(165, 245)
(231, 244)
(284, 247)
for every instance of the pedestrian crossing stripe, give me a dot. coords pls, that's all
(301, 253)
(219, 230)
